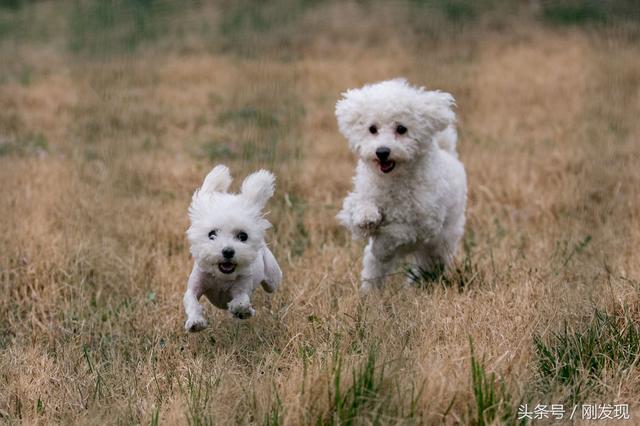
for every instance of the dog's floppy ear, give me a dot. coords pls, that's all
(258, 187)
(437, 109)
(218, 180)
(349, 110)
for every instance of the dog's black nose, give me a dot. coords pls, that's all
(383, 153)
(228, 252)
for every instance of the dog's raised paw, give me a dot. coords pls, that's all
(242, 312)
(367, 219)
(193, 325)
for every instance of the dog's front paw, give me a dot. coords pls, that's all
(241, 310)
(367, 220)
(195, 324)
(244, 314)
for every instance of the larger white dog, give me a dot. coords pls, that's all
(410, 188)
(227, 243)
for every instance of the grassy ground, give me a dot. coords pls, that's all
(112, 112)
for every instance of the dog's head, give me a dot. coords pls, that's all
(391, 123)
(227, 230)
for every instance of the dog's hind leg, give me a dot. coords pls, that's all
(375, 270)
(272, 272)
(429, 265)
(432, 260)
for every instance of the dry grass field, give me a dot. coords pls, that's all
(112, 112)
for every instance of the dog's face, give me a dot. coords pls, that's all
(390, 124)
(227, 230)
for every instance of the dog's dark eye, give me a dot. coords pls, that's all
(373, 129)
(401, 129)
(242, 236)
(213, 234)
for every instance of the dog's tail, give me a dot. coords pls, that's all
(448, 139)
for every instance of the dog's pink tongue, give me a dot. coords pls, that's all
(387, 166)
(226, 266)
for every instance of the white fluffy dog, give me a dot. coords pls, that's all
(227, 242)
(410, 189)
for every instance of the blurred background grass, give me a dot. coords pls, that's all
(257, 28)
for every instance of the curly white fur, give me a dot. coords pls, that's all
(228, 267)
(413, 201)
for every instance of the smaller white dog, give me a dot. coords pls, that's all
(410, 188)
(227, 242)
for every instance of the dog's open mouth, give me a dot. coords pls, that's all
(386, 166)
(227, 267)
